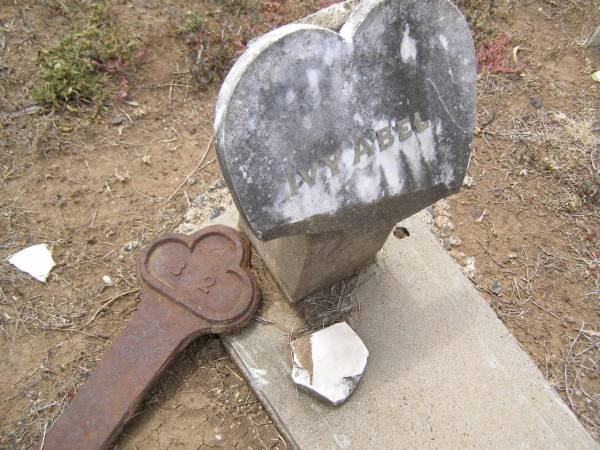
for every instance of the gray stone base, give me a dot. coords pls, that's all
(443, 371)
(305, 263)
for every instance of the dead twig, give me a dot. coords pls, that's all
(109, 302)
(545, 310)
(199, 166)
(490, 255)
(44, 436)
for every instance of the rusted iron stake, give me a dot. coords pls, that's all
(191, 285)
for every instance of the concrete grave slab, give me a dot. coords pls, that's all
(320, 132)
(443, 372)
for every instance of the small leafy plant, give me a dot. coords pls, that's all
(74, 71)
(590, 189)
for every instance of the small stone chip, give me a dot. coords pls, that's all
(116, 120)
(496, 288)
(131, 246)
(329, 363)
(477, 214)
(36, 260)
(468, 182)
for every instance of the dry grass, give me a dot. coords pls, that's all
(337, 303)
(559, 146)
(580, 364)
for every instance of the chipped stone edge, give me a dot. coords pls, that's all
(333, 17)
(301, 366)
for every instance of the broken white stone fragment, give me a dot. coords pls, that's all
(329, 363)
(469, 267)
(468, 182)
(35, 260)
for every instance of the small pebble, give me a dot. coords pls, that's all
(477, 214)
(536, 102)
(131, 246)
(450, 242)
(199, 200)
(496, 287)
(444, 226)
(469, 267)
(107, 280)
(216, 212)
(468, 182)
(116, 120)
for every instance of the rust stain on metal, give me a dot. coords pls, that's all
(191, 285)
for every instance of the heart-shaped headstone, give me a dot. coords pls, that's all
(319, 131)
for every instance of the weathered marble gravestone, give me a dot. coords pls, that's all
(421, 319)
(328, 139)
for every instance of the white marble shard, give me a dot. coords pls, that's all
(36, 260)
(329, 363)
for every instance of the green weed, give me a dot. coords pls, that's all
(194, 23)
(590, 189)
(59, 7)
(74, 71)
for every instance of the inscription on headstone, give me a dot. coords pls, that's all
(319, 131)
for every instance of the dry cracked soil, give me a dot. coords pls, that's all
(96, 179)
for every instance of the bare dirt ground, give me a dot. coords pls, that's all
(532, 219)
(96, 183)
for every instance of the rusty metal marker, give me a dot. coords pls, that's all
(191, 285)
